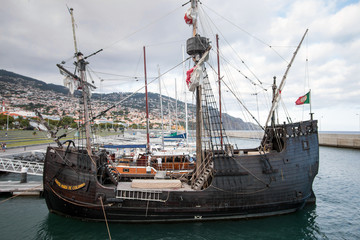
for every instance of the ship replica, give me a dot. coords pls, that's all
(227, 183)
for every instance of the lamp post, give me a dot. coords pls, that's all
(101, 92)
(7, 123)
(320, 121)
(359, 120)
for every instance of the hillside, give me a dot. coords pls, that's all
(10, 77)
(35, 93)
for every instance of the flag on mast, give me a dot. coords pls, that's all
(303, 99)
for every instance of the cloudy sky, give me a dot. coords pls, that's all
(257, 41)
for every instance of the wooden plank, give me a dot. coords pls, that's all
(155, 184)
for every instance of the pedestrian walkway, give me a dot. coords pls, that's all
(18, 150)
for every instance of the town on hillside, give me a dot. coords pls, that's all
(21, 95)
(19, 98)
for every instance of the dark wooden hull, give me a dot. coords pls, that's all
(242, 186)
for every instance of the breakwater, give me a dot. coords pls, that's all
(341, 140)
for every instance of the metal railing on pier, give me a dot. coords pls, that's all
(18, 166)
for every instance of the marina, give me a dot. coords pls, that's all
(98, 162)
(332, 217)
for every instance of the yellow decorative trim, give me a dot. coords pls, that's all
(67, 187)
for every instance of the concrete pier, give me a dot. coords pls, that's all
(325, 139)
(245, 134)
(340, 140)
(16, 187)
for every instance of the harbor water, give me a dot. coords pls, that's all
(336, 214)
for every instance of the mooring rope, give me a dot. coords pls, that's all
(107, 225)
(16, 195)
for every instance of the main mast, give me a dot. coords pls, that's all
(219, 79)
(198, 97)
(198, 47)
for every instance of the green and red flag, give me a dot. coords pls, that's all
(303, 99)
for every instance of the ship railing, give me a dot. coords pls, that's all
(150, 195)
(19, 166)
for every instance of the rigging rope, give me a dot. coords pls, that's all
(242, 61)
(243, 30)
(16, 195)
(232, 65)
(206, 23)
(142, 28)
(126, 98)
(243, 105)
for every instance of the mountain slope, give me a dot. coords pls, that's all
(11, 82)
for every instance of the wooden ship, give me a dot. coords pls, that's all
(226, 183)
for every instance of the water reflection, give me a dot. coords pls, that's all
(299, 225)
(335, 215)
(58, 227)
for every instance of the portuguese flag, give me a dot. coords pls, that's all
(303, 99)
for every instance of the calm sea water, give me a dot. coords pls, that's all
(336, 214)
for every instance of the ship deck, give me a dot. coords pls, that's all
(128, 186)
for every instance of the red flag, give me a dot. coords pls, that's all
(188, 76)
(303, 99)
(188, 18)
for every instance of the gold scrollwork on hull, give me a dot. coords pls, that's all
(68, 187)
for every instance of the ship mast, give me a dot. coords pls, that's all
(219, 79)
(198, 93)
(277, 95)
(81, 64)
(73, 29)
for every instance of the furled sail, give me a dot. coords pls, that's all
(70, 83)
(190, 15)
(194, 76)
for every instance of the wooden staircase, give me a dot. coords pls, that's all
(113, 173)
(200, 180)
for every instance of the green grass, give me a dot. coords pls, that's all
(19, 138)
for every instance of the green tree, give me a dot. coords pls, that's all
(67, 121)
(24, 123)
(3, 120)
(133, 126)
(74, 125)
